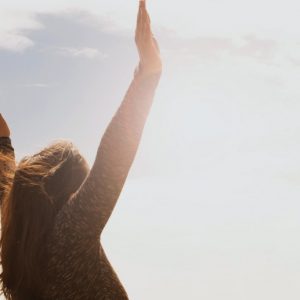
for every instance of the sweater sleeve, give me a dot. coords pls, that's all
(89, 209)
(7, 165)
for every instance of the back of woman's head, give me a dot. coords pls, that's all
(42, 184)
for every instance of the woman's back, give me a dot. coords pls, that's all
(80, 270)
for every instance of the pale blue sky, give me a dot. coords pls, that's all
(211, 207)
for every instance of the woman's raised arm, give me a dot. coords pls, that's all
(90, 208)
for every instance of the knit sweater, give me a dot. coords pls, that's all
(78, 267)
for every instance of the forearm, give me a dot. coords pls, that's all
(121, 140)
(122, 136)
(100, 192)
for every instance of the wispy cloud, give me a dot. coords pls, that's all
(212, 48)
(14, 28)
(14, 42)
(35, 85)
(85, 52)
(17, 31)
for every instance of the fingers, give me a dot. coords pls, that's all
(139, 19)
(146, 43)
(156, 44)
(147, 15)
(144, 38)
(143, 30)
(139, 24)
(146, 26)
(142, 3)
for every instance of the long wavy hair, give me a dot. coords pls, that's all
(7, 166)
(42, 184)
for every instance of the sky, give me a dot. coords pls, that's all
(210, 209)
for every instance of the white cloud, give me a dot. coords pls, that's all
(13, 27)
(190, 17)
(85, 52)
(14, 42)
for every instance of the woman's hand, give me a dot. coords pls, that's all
(4, 130)
(150, 61)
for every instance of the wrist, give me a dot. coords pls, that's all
(147, 71)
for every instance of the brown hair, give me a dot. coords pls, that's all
(7, 170)
(42, 185)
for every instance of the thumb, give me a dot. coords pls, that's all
(156, 44)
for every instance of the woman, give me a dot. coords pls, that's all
(54, 208)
